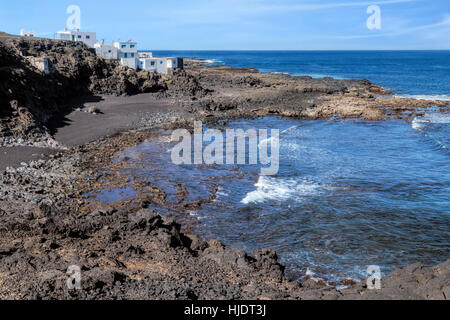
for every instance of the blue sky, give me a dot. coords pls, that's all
(243, 24)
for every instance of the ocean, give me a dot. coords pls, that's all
(424, 74)
(349, 193)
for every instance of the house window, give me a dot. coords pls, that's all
(124, 46)
(132, 55)
(79, 37)
(132, 46)
(153, 63)
(109, 51)
(88, 37)
(125, 55)
(160, 62)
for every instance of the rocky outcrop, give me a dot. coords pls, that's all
(142, 255)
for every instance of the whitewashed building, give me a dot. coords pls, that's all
(127, 49)
(26, 33)
(163, 65)
(128, 54)
(130, 62)
(106, 51)
(89, 38)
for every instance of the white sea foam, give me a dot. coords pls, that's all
(264, 142)
(290, 129)
(311, 275)
(273, 188)
(221, 192)
(422, 124)
(418, 124)
(318, 76)
(277, 72)
(428, 97)
(212, 61)
(430, 118)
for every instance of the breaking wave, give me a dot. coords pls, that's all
(432, 118)
(431, 126)
(272, 188)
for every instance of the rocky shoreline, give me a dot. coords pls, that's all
(49, 222)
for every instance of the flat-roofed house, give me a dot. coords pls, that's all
(127, 49)
(106, 51)
(89, 38)
(128, 54)
(27, 33)
(162, 65)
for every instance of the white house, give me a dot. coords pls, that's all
(25, 33)
(130, 62)
(128, 54)
(127, 49)
(106, 51)
(161, 65)
(89, 38)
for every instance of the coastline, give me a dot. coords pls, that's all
(135, 241)
(59, 231)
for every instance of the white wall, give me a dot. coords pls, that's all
(161, 65)
(127, 49)
(130, 62)
(89, 38)
(25, 33)
(147, 64)
(107, 51)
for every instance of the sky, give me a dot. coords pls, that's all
(243, 24)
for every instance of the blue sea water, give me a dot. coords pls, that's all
(349, 193)
(404, 72)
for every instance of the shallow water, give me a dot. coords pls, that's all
(349, 194)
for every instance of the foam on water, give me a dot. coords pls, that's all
(420, 123)
(429, 125)
(273, 188)
(318, 76)
(429, 97)
(265, 142)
